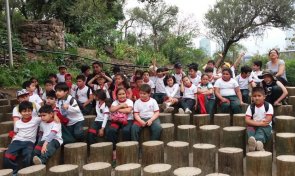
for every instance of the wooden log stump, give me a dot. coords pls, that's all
(283, 110)
(204, 157)
(187, 171)
(268, 146)
(167, 134)
(259, 163)
(6, 172)
(217, 174)
(285, 144)
(75, 153)
(131, 169)
(4, 102)
(89, 119)
(234, 136)
(285, 165)
(5, 109)
(5, 127)
(64, 170)
(291, 91)
(152, 152)
(181, 119)
(166, 117)
(210, 134)
(2, 152)
(244, 107)
(101, 152)
(127, 152)
(97, 169)
(291, 101)
(14, 102)
(85, 131)
(145, 135)
(239, 120)
(54, 160)
(230, 161)
(285, 124)
(187, 133)
(157, 170)
(36, 170)
(201, 119)
(4, 140)
(178, 154)
(222, 120)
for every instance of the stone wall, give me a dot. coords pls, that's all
(46, 35)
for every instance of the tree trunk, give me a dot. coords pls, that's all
(4, 140)
(291, 91)
(201, 119)
(230, 161)
(89, 119)
(152, 153)
(64, 170)
(193, 171)
(291, 101)
(187, 133)
(204, 157)
(285, 124)
(286, 165)
(75, 153)
(157, 170)
(131, 169)
(166, 118)
(239, 120)
(101, 152)
(283, 110)
(167, 134)
(234, 136)
(285, 144)
(259, 163)
(127, 152)
(178, 154)
(210, 134)
(54, 160)
(36, 170)
(222, 120)
(1, 158)
(97, 168)
(6, 172)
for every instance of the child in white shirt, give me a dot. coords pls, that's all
(189, 99)
(244, 80)
(103, 83)
(172, 93)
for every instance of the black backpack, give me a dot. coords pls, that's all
(252, 107)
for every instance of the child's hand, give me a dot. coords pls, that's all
(101, 132)
(124, 105)
(143, 123)
(264, 123)
(66, 106)
(44, 148)
(149, 122)
(277, 103)
(224, 100)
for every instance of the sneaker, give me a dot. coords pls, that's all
(252, 144)
(169, 110)
(180, 111)
(37, 160)
(259, 146)
(188, 111)
(114, 163)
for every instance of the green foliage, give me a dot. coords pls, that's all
(290, 71)
(125, 51)
(145, 58)
(263, 58)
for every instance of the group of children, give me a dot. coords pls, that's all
(44, 120)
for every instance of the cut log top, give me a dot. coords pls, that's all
(186, 126)
(155, 168)
(259, 154)
(217, 174)
(153, 143)
(187, 171)
(230, 150)
(127, 143)
(285, 117)
(167, 125)
(201, 115)
(177, 144)
(5, 171)
(129, 166)
(209, 127)
(239, 115)
(204, 146)
(165, 114)
(221, 115)
(63, 168)
(181, 115)
(76, 145)
(287, 158)
(31, 169)
(101, 144)
(6, 122)
(285, 135)
(96, 166)
(89, 116)
(234, 128)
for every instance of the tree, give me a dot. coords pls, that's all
(230, 21)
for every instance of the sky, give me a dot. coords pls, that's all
(272, 38)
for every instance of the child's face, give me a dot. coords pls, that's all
(226, 75)
(62, 71)
(267, 79)
(258, 98)
(177, 70)
(27, 113)
(160, 74)
(245, 74)
(192, 72)
(255, 67)
(121, 95)
(61, 93)
(48, 87)
(80, 83)
(210, 65)
(32, 87)
(139, 83)
(118, 79)
(53, 79)
(68, 79)
(35, 81)
(87, 72)
(23, 98)
(170, 82)
(146, 76)
(210, 74)
(101, 80)
(144, 95)
(138, 75)
(46, 116)
(96, 68)
(186, 82)
(50, 101)
(205, 79)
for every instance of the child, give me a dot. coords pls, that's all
(275, 91)
(228, 92)
(146, 114)
(178, 73)
(62, 72)
(102, 111)
(193, 76)
(189, 99)
(210, 73)
(206, 96)
(172, 92)
(83, 95)
(258, 120)
(244, 80)
(25, 136)
(69, 108)
(51, 138)
(69, 82)
(121, 118)
(121, 82)
(38, 90)
(135, 90)
(211, 64)
(256, 71)
(85, 70)
(48, 87)
(147, 80)
(116, 70)
(30, 87)
(138, 73)
(160, 92)
(103, 83)
(52, 77)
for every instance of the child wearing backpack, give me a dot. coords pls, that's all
(258, 120)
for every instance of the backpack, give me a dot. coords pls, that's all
(252, 107)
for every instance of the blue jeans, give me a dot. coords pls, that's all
(187, 103)
(159, 97)
(112, 133)
(93, 132)
(155, 130)
(262, 134)
(51, 148)
(77, 131)
(245, 95)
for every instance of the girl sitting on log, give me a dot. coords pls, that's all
(172, 92)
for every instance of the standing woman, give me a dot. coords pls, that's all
(277, 66)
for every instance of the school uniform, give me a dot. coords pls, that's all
(178, 77)
(206, 101)
(254, 76)
(160, 92)
(188, 98)
(244, 87)
(60, 77)
(34, 98)
(151, 84)
(82, 95)
(195, 81)
(16, 113)
(173, 91)
(105, 88)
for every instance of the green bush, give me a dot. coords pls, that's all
(290, 72)
(124, 51)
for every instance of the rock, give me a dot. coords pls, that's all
(35, 41)
(43, 41)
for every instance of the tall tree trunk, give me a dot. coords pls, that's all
(224, 52)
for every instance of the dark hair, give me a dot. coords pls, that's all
(108, 102)
(138, 72)
(84, 68)
(116, 69)
(137, 78)
(97, 63)
(193, 66)
(46, 109)
(26, 84)
(25, 105)
(258, 63)
(185, 76)
(246, 69)
(82, 77)
(146, 72)
(52, 75)
(100, 94)
(258, 89)
(160, 70)
(209, 70)
(168, 77)
(204, 75)
(51, 94)
(273, 50)
(37, 85)
(121, 88)
(61, 86)
(211, 62)
(125, 81)
(48, 82)
(145, 88)
(228, 70)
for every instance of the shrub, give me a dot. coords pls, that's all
(290, 71)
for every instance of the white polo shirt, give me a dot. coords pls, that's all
(195, 80)
(189, 92)
(243, 82)
(146, 109)
(173, 91)
(26, 131)
(260, 113)
(227, 88)
(48, 127)
(160, 86)
(81, 94)
(103, 113)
